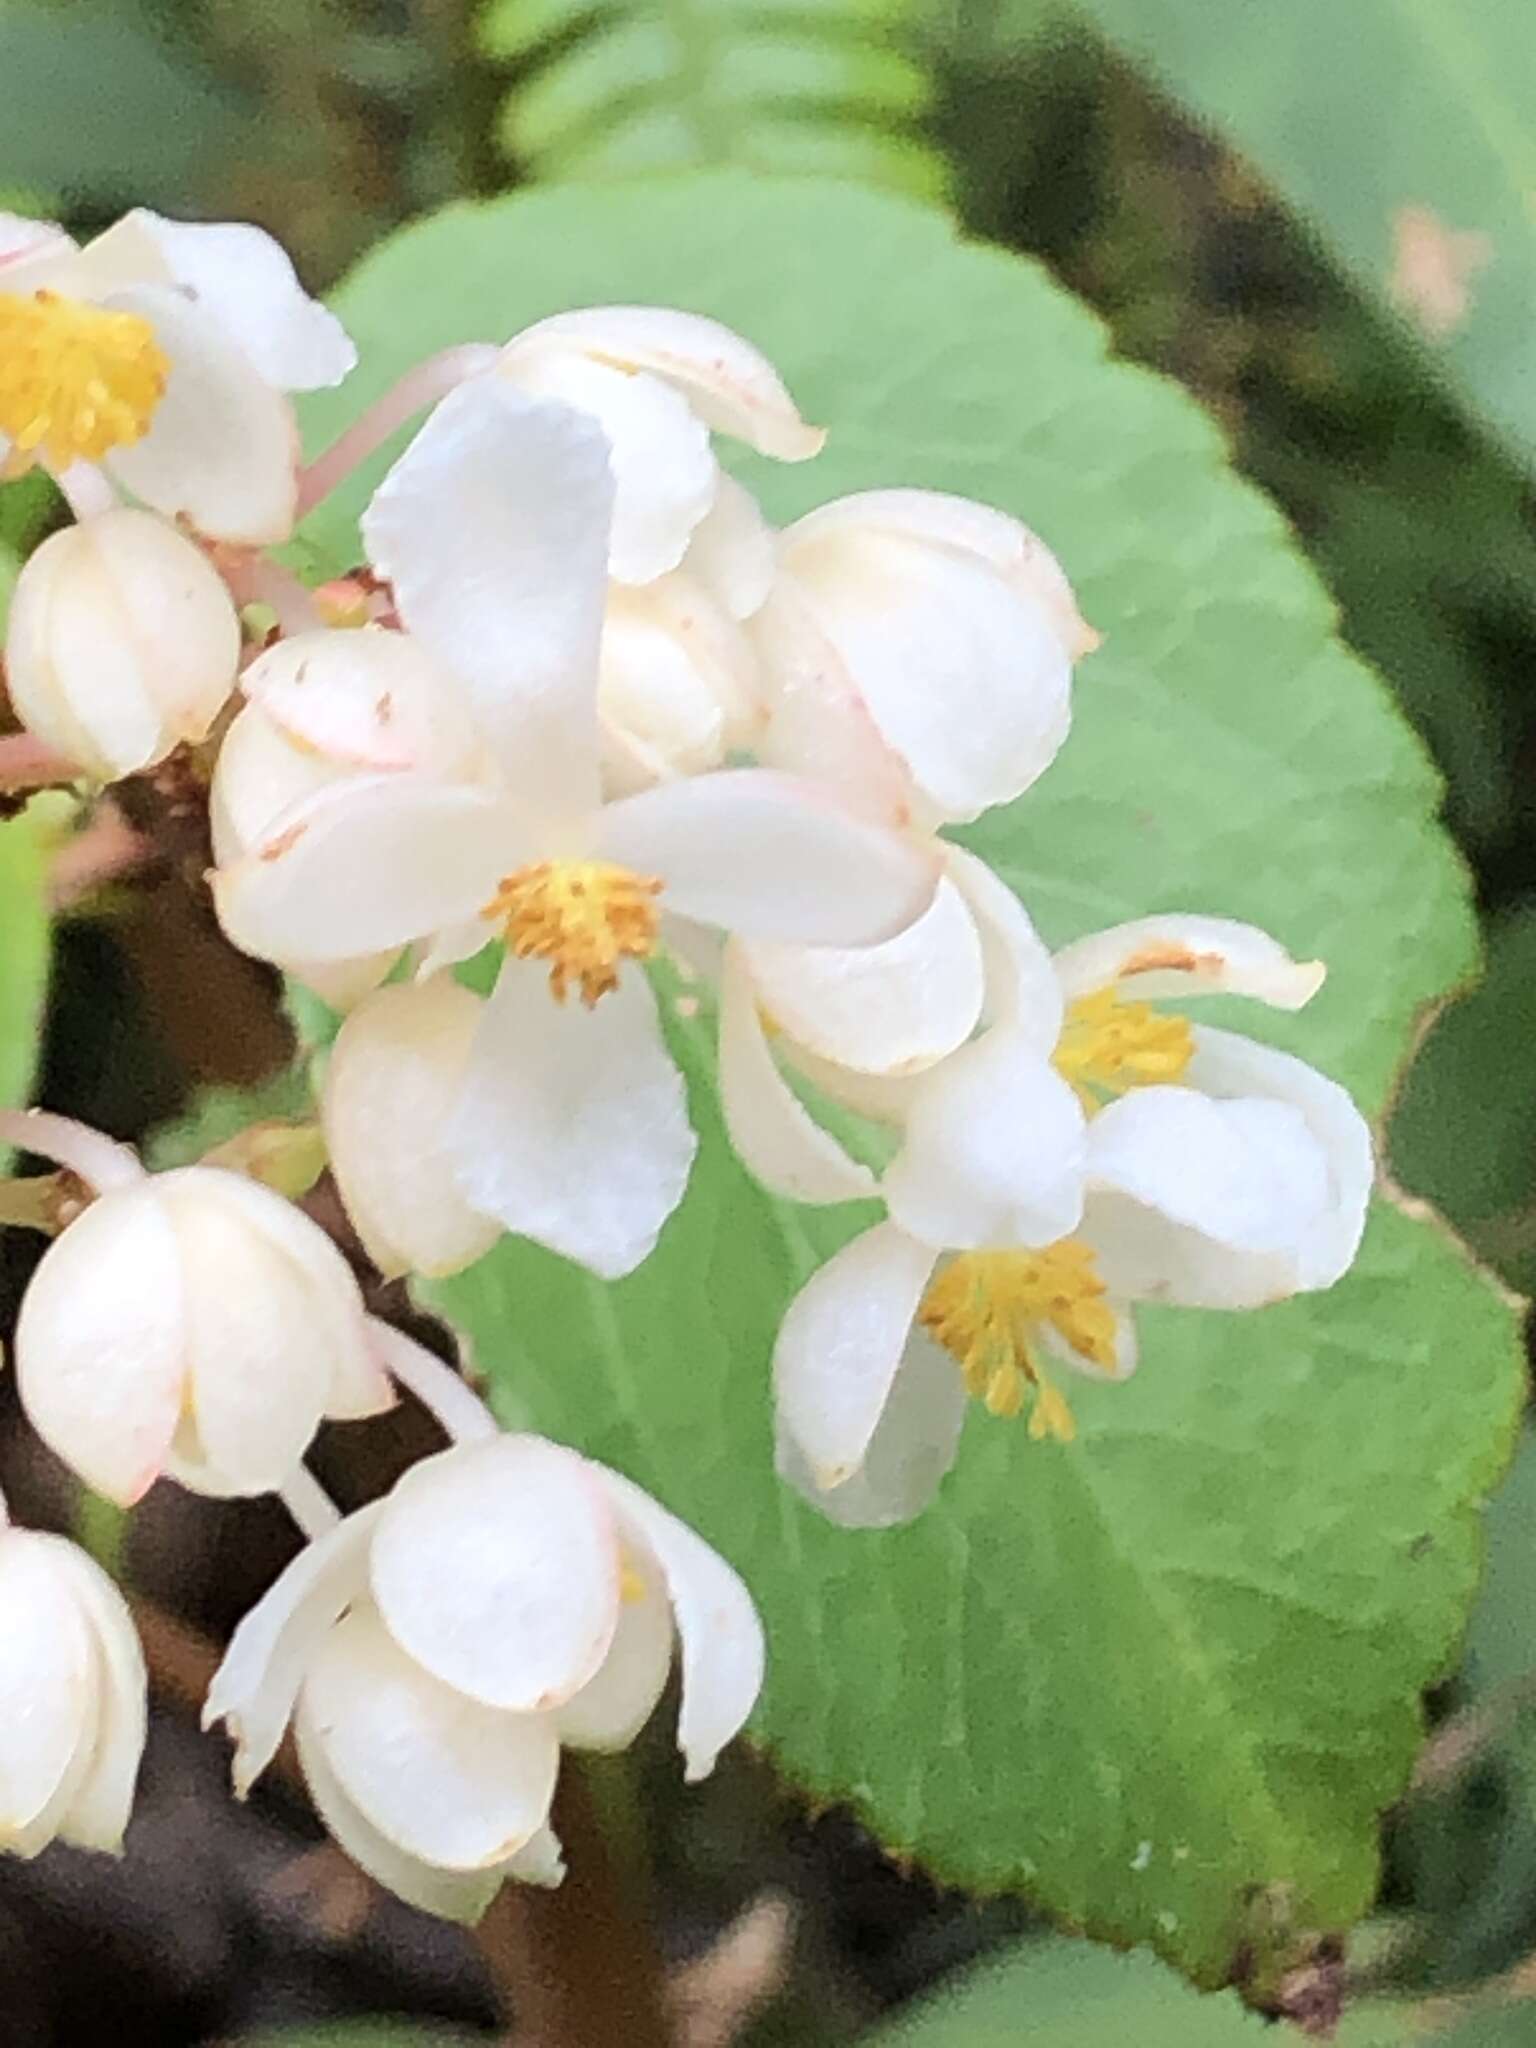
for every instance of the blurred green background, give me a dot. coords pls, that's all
(1322, 222)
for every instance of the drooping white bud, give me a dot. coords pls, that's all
(391, 1084)
(191, 1323)
(925, 635)
(72, 1697)
(122, 642)
(436, 1650)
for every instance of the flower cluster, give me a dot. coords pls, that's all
(581, 733)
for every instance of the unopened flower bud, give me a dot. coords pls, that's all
(678, 690)
(192, 1323)
(437, 1649)
(72, 1697)
(925, 636)
(391, 1083)
(122, 642)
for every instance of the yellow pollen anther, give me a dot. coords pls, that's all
(631, 1585)
(987, 1310)
(1108, 1046)
(583, 916)
(75, 380)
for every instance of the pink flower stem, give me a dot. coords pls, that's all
(25, 763)
(416, 390)
(309, 1503)
(90, 1155)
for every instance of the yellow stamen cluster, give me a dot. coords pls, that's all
(75, 380)
(583, 916)
(986, 1309)
(1108, 1046)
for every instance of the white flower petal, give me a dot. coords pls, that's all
(258, 1368)
(367, 699)
(965, 679)
(731, 385)
(617, 1701)
(1179, 956)
(100, 1362)
(960, 523)
(243, 279)
(678, 683)
(1226, 1063)
(1022, 989)
(816, 722)
(912, 1447)
(222, 449)
(391, 1083)
(664, 470)
(48, 1670)
(840, 1347)
(993, 1152)
(886, 1009)
(771, 857)
(255, 1687)
(34, 254)
(733, 551)
(449, 1780)
(1203, 1202)
(717, 1625)
(98, 1813)
(496, 1566)
(368, 864)
(451, 1894)
(492, 528)
(775, 1136)
(572, 1125)
(355, 1385)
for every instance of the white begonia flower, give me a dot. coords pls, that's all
(191, 1323)
(657, 381)
(122, 642)
(571, 1125)
(163, 350)
(920, 647)
(72, 1697)
(1212, 1172)
(325, 708)
(436, 1650)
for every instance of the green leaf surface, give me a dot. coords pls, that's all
(1164, 1678)
(1059, 1994)
(143, 121)
(1404, 132)
(24, 953)
(1464, 1130)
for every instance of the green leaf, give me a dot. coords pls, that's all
(668, 84)
(1464, 1130)
(142, 122)
(1404, 131)
(1058, 1994)
(1166, 1677)
(24, 952)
